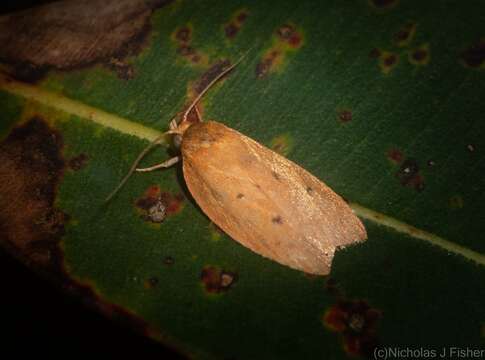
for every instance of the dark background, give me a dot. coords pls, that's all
(36, 318)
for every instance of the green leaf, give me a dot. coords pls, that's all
(382, 100)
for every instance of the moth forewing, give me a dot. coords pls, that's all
(264, 201)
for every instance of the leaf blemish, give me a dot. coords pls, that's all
(356, 322)
(182, 36)
(405, 35)
(345, 116)
(408, 175)
(395, 155)
(31, 168)
(60, 32)
(420, 55)
(232, 28)
(157, 205)
(151, 283)
(287, 38)
(216, 280)
(78, 162)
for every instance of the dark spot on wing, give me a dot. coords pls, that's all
(277, 219)
(309, 190)
(240, 196)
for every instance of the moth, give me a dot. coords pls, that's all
(262, 200)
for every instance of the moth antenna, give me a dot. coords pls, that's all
(213, 81)
(133, 167)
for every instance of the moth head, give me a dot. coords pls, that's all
(178, 133)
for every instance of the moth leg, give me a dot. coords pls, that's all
(165, 164)
(173, 124)
(145, 151)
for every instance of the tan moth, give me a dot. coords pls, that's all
(261, 199)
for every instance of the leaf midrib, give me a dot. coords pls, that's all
(126, 126)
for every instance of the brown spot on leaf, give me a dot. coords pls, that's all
(78, 162)
(31, 167)
(282, 144)
(209, 75)
(287, 38)
(289, 34)
(474, 56)
(242, 16)
(408, 175)
(395, 155)
(405, 35)
(356, 322)
(151, 282)
(157, 205)
(345, 115)
(73, 34)
(216, 280)
(183, 35)
(420, 55)
(388, 61)
(232, 28)
(124, 70)
(31, 226)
